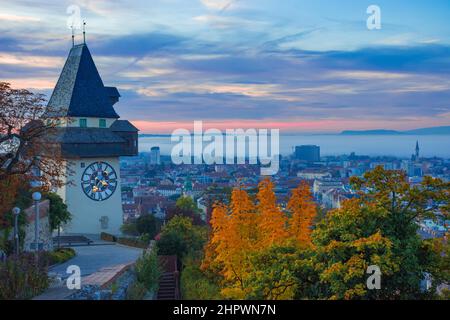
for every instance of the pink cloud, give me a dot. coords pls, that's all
(313, 126)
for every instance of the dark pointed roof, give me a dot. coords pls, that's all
(123, 126)
(79, 91)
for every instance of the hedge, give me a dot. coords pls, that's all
(108, 237)
(133, 243)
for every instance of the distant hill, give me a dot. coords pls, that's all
(433, 130)
(422, 131)
(149, 135)
(370, 132)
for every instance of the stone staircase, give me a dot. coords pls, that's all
(167, 287)
(169, 281)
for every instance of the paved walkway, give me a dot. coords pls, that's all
(93, 258)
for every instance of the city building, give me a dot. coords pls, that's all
(155, 156)
(412, 168)
(91, 139)
(321, 186)
(308, 153)
(168, 191)
(333, 198)
(311, 174)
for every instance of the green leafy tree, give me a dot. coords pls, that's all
(58, 213)
(129, 229)
(273, 276)
(380, 228)
(187, 204)
(283, 272)
(148, 269)
(179, 236)
(147, 224)
(195, 284)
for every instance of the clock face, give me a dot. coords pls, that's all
(99, 181)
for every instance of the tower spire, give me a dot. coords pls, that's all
(84, 32)
(417, 149)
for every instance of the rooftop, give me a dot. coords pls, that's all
(79, 91)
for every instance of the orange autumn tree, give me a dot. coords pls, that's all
(26, 154)
(303, 212)
(272, 221)
(243, 229)
(234, 236)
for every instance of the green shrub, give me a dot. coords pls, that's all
(21, 279)
(60, 255)
(136, 291)
(148, 270)
(145, 238)
(180, 237)
(131, 242)
(147, 224)
(107, 237)
(195, 285)
(129, 229)
(172, 243)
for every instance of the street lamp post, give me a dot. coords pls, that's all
(36, 197)
(16, 212)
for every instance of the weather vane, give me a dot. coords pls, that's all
(84, 32)
(73, 36)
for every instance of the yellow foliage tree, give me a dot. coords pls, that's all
(243, 229)
(303, 212)
(272, 221)
(234, 236)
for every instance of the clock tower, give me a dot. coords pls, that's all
(92, 138)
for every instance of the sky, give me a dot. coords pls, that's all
(296, 65)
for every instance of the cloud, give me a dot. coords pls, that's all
(218, 4)
(137, 44)
(30, 60)
(248, 63)
(18, 18)
(422, 58)
(9, 44)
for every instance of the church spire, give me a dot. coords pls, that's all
(417, 150)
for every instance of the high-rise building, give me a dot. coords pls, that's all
(155, 156)
(411, 168)
(310, 153)
(92, 139)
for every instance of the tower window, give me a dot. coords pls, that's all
(102, 123)
(83, 123)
